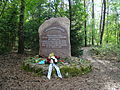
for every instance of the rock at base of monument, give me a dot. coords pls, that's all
(69, 68)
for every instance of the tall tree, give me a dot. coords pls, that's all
(117, 31)
(70, 13)
(85, 30)
(93, 24)
(107, 22)
(21, 28)
(101, 18)
(77, 17)
(118, 35)
(103, 21)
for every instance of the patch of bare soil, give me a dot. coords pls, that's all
(105, 76)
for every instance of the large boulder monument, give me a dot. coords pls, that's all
(54, 37)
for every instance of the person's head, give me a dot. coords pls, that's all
(51, 54)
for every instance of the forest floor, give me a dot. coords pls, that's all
(104, 76)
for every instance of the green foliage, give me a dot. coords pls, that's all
(8, 27)
(76, 66)
(35, 16)
(36, 71)
(31, 35)
(36, 12)
(74, 71)
(70, 71)
(65, 70)
(27, 68)
(107, 50)
(76, 32)
(4, 50)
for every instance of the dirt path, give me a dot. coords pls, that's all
(107, 71)
(105, 76)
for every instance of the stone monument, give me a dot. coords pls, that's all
(54, 37)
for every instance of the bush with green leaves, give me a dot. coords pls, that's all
(4, 50)
(8, 28)
(36, 71)
(107, 50)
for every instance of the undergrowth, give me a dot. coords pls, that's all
(107, 51)
(74, 71)
(36, 71)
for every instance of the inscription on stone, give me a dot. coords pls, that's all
(54, 41)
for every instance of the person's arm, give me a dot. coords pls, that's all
(54, 59)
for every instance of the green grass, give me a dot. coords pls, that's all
(36, 71)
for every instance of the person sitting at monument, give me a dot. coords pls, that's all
(52, 60)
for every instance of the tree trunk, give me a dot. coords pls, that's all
(103, 22)
(118, 35)
(70, 13)
(21, 28)
(85, 26)
(107, 22)
(117, 28)
(93, 24)
(101, 19)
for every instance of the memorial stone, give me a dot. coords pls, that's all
(54, 37)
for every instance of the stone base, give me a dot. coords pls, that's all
(71, 67)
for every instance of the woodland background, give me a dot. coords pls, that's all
(92, 23)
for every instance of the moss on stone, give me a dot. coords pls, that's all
(74, 71)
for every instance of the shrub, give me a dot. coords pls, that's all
(36, 71)
(107, 50)
(74, 71)
(4, 50)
